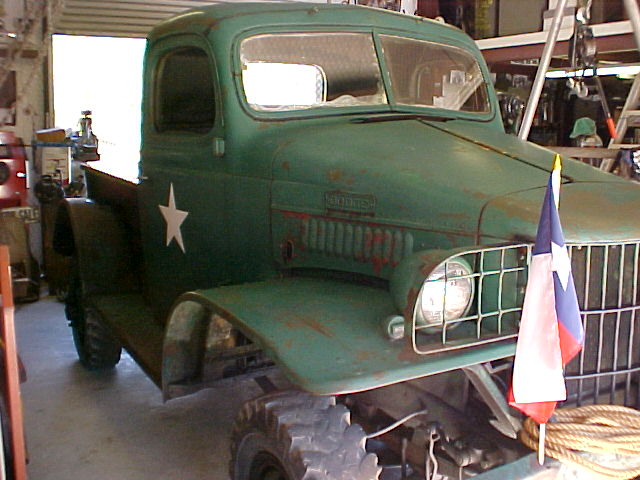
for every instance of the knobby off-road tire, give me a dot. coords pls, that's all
(296, 436)
(96, 348)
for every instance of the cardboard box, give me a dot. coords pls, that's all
(52, 135)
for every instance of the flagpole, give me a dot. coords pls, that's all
(541, 438)
(550, 301)
(556, 179)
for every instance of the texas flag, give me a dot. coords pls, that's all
(551, 330)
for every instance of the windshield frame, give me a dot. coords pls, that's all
(390, 107)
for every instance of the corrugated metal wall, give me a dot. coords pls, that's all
(118, 18)
(123, 18)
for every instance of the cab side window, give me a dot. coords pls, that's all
(185, 100)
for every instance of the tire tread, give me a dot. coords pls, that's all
(313, 435)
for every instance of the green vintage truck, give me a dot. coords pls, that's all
(327, 192)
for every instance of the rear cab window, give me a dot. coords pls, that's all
(184, 92)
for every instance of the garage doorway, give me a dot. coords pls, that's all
(104, 75)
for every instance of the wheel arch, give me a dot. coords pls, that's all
(200, 339)
(100, 242)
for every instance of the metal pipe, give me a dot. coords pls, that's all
(545, 60)
(634, 17)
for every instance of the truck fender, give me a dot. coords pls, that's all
(325, 335)
(201, 345)
(100, 244)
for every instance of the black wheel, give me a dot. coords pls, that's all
(297, 436)
(95, 346)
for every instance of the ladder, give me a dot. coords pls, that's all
(629, 117)
(630, 114)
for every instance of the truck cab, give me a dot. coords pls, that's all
(328, 191)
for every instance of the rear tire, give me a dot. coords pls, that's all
(96, 347)
(297, 436)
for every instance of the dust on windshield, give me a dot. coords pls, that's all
(297, 71)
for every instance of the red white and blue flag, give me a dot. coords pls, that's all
(551, 331)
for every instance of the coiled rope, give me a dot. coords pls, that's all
(597, 429)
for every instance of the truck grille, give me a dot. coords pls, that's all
(607, 369)
(606, 278)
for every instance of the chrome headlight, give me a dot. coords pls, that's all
(446, 294)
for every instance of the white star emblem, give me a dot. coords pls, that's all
(561, 263)
(174, 219)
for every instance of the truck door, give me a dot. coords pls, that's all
(182, 175)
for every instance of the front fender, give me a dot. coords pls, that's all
(324, 334)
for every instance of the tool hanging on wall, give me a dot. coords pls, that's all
(611, 126)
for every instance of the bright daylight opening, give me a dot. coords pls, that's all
(104, 75)
(270, 85)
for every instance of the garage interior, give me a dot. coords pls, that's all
(71, 81)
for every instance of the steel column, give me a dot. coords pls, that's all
(545, 60)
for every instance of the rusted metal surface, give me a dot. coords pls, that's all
(201, 348)
(590, 212)
(586, 152)
(324, 334)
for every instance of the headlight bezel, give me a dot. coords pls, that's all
(439, 283)
(498, 273)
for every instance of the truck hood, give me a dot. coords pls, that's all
(589, 212)
(454, 177)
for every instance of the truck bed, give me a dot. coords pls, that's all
(113, 187)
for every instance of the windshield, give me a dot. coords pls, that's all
(294, 71)
(297, 71)
(434, 75)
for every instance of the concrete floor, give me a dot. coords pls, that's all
(113, 425)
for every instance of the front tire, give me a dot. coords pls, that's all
(297, 436)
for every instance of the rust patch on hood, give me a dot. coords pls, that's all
(309, 323)
(475, 194)
(407, 354)
(412, 297)
(363, 356)
(334, 175)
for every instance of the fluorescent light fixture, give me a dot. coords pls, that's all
(625, 71)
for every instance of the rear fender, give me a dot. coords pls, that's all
(100, 243)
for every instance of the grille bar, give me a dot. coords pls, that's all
(498, 277)
(607, 370)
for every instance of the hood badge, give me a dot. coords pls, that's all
(347, 202)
